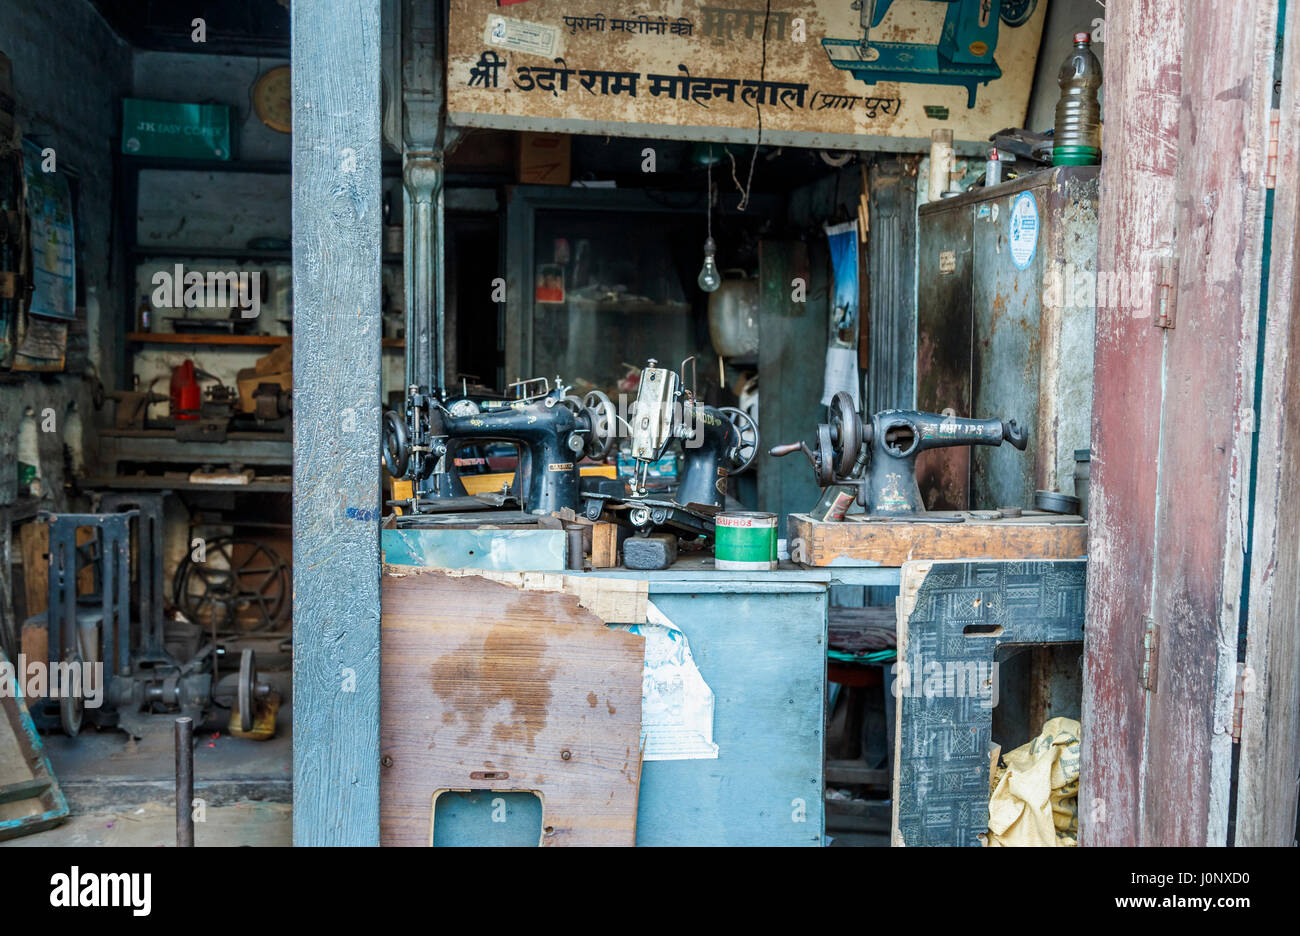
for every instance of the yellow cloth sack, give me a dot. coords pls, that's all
(1035, 798)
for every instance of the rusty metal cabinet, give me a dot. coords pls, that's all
(1006, 304)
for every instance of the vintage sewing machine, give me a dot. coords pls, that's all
(716, 443)
(962, 56)
(891, 440)
(552, 430)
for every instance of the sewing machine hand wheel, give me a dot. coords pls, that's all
(747, 431)
(397, 450)
(1017, 12)
(600, 412)
(822, 459)
(846, 433)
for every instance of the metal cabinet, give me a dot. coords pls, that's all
(1005, 316)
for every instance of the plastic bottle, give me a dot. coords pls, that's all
(1078, 113)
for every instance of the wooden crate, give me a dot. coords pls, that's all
(857, 541)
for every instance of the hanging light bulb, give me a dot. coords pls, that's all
(709, 279)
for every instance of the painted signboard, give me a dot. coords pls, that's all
(838, 74)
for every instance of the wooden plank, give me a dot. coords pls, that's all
(1270, 723)
(336, 357)
(30, 797)
(1205, 442)
(226, 340)
(604, 545)
(909, 586)
(35, 545)
(22, 789)
(1135, 230)
(491, 687)
(894, 543)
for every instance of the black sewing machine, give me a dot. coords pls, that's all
(892, 439)
(551, 429)
(716, 442)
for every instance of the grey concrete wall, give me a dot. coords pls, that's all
(70, 70)
(216, 79)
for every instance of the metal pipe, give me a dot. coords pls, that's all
(184, 783)
(574, 535)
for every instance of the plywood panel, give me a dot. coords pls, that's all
(488, 686)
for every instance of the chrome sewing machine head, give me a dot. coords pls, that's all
(716, 442)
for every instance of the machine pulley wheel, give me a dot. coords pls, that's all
(397, 449)
(71, 707)
(846, 433)
(824, 463)
(747, 430)
(247, 688)
(604, 428)
(234, 574)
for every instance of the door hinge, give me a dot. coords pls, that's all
(1150, 655)
(1238, 702)
(1270, 166)
(1166, 292)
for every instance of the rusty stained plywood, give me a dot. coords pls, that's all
(486, 686)
(817, 103)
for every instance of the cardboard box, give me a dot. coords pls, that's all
(544, 159)
(276, 368)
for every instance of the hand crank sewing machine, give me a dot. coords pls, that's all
(887, 447)
(716, 443)
(552, 430)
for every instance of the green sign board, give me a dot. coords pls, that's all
(168, 128)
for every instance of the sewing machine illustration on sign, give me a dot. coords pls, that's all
(963, 55)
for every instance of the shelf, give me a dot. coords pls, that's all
(173, 338)
(389, 168)
(227, 253)
(219, 253)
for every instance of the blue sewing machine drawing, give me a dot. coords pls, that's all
(963, 55)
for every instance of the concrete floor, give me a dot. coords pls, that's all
(154, 825)
(121, 791)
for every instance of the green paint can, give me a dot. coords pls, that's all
(744, 540)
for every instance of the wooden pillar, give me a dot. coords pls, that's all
(1188, 84)
(1270, 723)
(336, 374)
